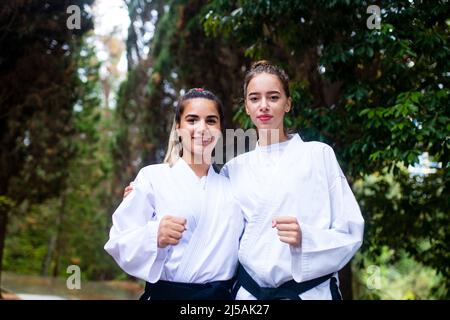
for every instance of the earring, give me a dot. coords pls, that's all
(180, 152)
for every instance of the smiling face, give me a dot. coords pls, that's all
(199, 129)
(266, 102)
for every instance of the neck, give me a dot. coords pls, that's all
(198, 165)
(270, 136)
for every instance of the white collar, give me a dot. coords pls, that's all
(279, 145)
(182, 167)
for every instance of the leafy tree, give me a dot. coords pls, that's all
(70, 229)
(380, 97)
(180, 56)
(139, 123)
(37, 97)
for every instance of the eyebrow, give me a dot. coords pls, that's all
(196, 116)
(269, 92)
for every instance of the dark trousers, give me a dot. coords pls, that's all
(169, 290)
(288, 290)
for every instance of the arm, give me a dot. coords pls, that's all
(325, 251)
(133, 238)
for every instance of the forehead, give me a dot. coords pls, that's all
(264, 82)
(200, 106)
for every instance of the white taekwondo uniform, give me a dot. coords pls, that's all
(208, 248)
(304, 180)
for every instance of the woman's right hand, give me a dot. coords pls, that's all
(170, 230)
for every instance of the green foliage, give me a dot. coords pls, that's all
(37, 97)
(55, 168)
(28, 237)
(179, 50)
(138, 119)
(72, 228)
(387, 277)
(379, 97)
(419, 203)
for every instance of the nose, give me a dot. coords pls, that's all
(201, 126)
(264, 105)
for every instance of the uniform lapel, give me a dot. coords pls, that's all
(271, 189)
(190, 191)
(199, 199)
(269, 194)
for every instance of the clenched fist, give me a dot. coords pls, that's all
(289, 230)
(170, 230)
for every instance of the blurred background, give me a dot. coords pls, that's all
(87, 90)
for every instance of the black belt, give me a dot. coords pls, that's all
(169, 290)
(288, 290)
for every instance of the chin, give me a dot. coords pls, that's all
(200, 152)
(266, 127)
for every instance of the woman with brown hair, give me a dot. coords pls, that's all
(303, 223)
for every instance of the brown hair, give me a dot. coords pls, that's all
(174, 148)
(264, 66)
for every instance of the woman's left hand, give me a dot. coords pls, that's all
(289, 230)
(127, 190)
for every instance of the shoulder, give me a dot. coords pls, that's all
(238, 161)
(240, 158)
(318, 148)
(150, 173)
(154, 168)
(324, 156)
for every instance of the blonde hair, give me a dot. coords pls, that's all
(174, 148)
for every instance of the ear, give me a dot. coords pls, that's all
(246, 110)
(288, 105)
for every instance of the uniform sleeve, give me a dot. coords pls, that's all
(133, 239)
(325, 251)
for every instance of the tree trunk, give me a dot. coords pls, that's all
(58, 236)
(3, 223)
(48, 257)
(345, 281)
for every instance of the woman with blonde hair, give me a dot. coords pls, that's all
(179, 227)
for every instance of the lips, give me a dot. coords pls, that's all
(203, 141)
(265, 117)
